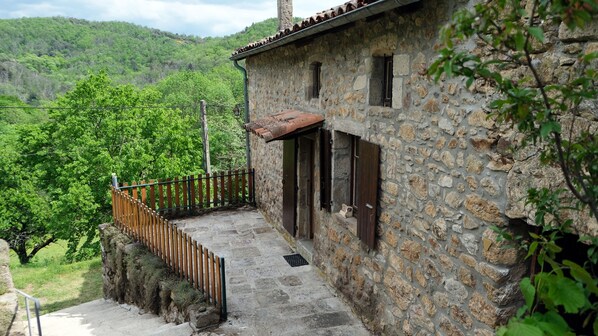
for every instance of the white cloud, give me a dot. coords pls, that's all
(194, 17)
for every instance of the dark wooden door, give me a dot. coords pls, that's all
(289, 185)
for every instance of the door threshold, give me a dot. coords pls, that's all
(305, 247)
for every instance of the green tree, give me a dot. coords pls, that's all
(187, 89)
(553, 116)
(24, 208)
(95, 130)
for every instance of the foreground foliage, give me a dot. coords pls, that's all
(512, 32)
(60, 170)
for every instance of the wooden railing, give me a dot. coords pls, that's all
(186, 257)
(180, 196)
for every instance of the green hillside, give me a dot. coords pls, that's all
(41, 57)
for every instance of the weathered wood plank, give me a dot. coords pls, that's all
(207, 270)
(244, 185)
(212, 279)
(215, 185)
(152, 195)
(192, 191)
(208, 190)
(230, 187)
(143, 192)
(160, 196)
(177, 194)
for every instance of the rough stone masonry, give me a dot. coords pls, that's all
(446, 172)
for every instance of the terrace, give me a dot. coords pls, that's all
(212, 223)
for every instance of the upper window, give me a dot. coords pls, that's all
(316, 80)
(381, 81)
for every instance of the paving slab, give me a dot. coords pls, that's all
(266, 296)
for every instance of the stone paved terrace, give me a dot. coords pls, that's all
(265, 295)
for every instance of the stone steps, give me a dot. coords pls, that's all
(104, 317)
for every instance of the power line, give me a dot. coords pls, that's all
(116, 107)
(97, 108)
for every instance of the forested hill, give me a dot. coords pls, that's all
(41, 57)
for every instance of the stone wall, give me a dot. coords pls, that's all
(444, 173)
(134, 275)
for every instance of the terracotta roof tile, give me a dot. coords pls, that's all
(308, 22)
(284, 124)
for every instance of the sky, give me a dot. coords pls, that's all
(191, 17)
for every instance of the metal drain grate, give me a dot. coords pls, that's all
(295, 260)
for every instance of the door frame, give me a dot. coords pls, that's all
(289, 186)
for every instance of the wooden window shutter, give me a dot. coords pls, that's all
(325, 169)
(367, 186)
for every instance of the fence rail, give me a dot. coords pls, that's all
(186, 257)
(37, 308)
(173, 197)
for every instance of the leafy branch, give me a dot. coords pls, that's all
(552, 115)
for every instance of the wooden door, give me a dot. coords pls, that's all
(305, 182)
(289, 185)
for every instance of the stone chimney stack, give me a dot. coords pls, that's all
(285, 14)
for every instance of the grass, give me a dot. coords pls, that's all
(55, 283)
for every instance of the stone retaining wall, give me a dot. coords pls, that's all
(8, 297)
(134, 275)
(446, 172)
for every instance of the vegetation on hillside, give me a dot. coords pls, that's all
(42, 57)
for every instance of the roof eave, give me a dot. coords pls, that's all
(343, 19)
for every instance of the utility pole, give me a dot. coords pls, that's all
(206, 142)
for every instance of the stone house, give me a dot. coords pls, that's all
(387, 181)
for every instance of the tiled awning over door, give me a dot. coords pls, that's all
(285, 125)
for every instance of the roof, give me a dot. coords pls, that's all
(323, 21)
(285, 124)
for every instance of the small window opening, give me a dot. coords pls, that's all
(316, 79)
(387, 82)
(381, 81)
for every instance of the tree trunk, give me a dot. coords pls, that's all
(21, 251)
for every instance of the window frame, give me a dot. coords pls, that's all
(316, 80)
(381, 80)
(356, 176)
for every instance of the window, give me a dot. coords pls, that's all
(381, 81)
(355, 181)
(387, 82)
(316, 80)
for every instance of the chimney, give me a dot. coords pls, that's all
(285, 14)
